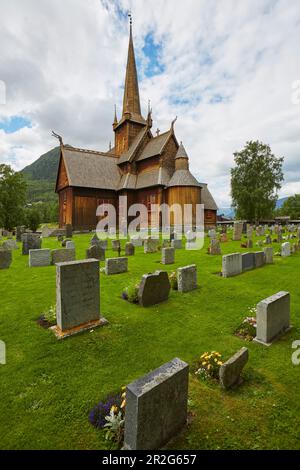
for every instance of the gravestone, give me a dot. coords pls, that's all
(70, 245)
(151, 245)
(272, 317)
(165, 243)
(231, 265)
(53, 232)
(136, 241)
(212, 233)
(38, 258)
(129, 249)
(69, 230)
(248, 261)
(269, 255)
(268, 240)
(60, 238)
(96, 252)
(259, 259)
(187, 278)
(168, 255)
(116, 265)
(249, 243)
(286, 249)
(5, 258)
(156, 406)
(154, 288)
(237, 231)
(115, 245)
(223, 238)
(230, 371)
(64, 242)
(77, 297)
(176, 244)
(62, 255)
(19, 232)
(30, 241)
(249, 231)
(10, 245)
(215, 248)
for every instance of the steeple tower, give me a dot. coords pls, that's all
(131, 122)
(131, 99)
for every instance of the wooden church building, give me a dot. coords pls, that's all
(147, 168)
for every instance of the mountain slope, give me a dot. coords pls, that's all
(41, 177)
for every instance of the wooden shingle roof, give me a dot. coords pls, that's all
(91, 169)
(155, 146)
(207, 199)
(183, 178)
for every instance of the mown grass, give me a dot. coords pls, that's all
(48, 387)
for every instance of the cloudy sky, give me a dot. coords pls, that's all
(230, 70)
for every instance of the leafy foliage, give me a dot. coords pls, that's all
(131, 292)
(255, 181)
(33, 218)
(12, 197)
(291, 207)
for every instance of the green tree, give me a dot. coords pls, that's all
(255, 181)
(12, 197)
(33, 218)
(291, 207)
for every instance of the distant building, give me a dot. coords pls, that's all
(147, 169)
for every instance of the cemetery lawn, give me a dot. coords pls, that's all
(48, 387)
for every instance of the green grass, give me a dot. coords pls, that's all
(48, 387)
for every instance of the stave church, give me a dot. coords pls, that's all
(148, 169)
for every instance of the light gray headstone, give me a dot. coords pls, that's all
(10, 245)
(187, 278)
(177, 244)
(168, 255)
(286, 249)
(151, 245)
(116, 265)
(231, 265)
(230, 371)
(77, 293)
(70, 245)
(156, 406)
(273, 317)
(269, 255)
(39, 258)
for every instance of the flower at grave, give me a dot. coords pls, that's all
(123, 404)
(114, 409)
(209, 365)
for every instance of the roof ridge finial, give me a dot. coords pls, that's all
(59, 137)
(172, 124)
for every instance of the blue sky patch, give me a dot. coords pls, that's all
(152, 51)
(14, 124)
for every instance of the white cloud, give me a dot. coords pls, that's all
(64, 62)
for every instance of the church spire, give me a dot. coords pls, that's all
(131, 100)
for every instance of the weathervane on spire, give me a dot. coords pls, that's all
(130, 18)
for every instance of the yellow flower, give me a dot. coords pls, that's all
(123, 395)
(220, 363)
(209, 366)
(114, 409)
(123, 404)
(123, 388)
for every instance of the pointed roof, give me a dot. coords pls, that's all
(181, 152)
(183, 178)
(131, 99)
